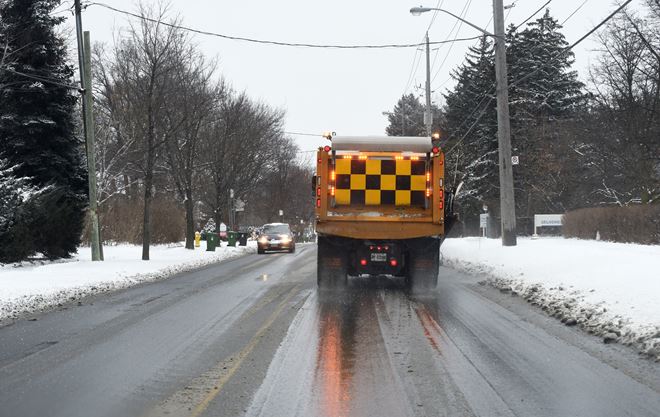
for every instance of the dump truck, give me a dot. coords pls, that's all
(382, 208)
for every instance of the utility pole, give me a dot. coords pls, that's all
(507, 202)
(231, 209)
(428, 115)
(84, 62)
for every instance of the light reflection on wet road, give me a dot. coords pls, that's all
(380, 351)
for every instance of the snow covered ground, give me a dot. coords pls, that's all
(609, 289)
(34, 286)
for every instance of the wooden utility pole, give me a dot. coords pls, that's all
(428, 115)
(84, 62)
(507, 201)
(91, 151)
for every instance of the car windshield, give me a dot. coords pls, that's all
(276, 229)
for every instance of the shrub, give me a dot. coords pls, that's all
(121, 221)
(629, 224)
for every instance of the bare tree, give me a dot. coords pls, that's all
(239, 151)
(193, 113)
(626, 81)
(140, 78)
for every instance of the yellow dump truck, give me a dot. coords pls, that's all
(381, 208)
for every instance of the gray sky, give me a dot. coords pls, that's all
(343, 90)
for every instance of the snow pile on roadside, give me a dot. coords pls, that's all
(609, 289)
(26, 287)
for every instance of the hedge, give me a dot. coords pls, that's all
(629, 224)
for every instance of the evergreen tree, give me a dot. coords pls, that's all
(17, 196)
(542, 105)
(470, 114)
(537, 104)
(407, 118)
(37, 128)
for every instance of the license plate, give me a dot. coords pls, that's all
(378, 257)
(274, 242)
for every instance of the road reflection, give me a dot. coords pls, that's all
(341, 317)
(336, 353)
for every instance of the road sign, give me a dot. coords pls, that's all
(541, 220)
(515, 160)
(483, 224)
(547, 220)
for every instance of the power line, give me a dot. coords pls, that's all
(460, 25)
(435, 13)
(574, 11)
(570, 47)
(413, 70)
(269, 42)
(42, 79)
(481, 114)
(533, 14)
(526, 76)
(304, 134)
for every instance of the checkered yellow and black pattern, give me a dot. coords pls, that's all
(380, 182)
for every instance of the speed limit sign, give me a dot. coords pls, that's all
(515, 160)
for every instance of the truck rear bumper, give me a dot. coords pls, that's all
(379, 230)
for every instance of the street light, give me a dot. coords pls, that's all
(507, 200)
(417, 11)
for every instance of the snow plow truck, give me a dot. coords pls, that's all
(381, 209)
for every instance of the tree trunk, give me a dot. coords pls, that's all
(190, 221)
(146, 222)
(217, 216)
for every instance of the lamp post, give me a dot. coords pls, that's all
(507, 201)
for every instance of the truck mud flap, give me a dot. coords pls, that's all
(332, 265)
(423, 263)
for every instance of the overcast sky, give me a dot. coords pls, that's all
(344, 90)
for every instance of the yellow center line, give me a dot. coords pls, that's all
(242, 355)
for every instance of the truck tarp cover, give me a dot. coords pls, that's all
(417, 144)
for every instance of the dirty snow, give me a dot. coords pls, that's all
(33, 286)
(609, 289)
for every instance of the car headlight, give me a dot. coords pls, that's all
(263, 239)
(285, 238)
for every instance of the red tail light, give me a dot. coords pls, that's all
(318, 191)
(318, 203)
(363, 262)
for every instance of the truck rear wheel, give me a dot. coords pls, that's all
(423, 264)
(331, 273)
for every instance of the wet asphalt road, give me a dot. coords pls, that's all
(253, 337)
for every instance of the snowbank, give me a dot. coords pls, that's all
(609, 289)
(28, 287)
